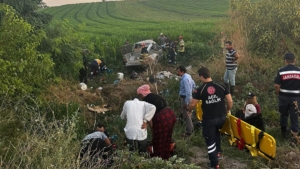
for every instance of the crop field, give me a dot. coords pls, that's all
(194, 19)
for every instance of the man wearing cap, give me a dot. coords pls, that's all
(137, 113)
(287, 87)
(231, 67)
(162, 40)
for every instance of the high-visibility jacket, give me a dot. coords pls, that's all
(181, 46)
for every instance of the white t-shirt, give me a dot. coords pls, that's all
(135, 112)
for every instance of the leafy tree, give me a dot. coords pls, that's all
(65, 47)
(23, 68)
(27, 9)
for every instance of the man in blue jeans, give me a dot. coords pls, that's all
(231, 66)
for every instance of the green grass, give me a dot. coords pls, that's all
(144, 19)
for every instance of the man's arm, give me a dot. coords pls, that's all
(192, 104)
(229, 102)
(149, 111)
(277, 88)
(188, 91)
(236, 56)
(107, 142)
(124, 112)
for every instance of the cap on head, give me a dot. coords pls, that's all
(180, 37)
(161, 34)
(289, 56)
(250, 95)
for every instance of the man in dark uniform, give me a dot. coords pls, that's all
(213, 97)
(172, 52)
(287, 87)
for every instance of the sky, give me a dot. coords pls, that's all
(63, 2)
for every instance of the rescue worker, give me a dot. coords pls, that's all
(231, 66)
(144, 51)
(95, 67)
(172, 52)
(287, 87)
(213, 96)
(181, 49)
(162, 40)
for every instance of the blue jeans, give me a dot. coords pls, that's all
(229, 76)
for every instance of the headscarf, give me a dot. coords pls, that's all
(250, 109)
(144, 90)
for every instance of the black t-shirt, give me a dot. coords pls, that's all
(172, 46)
(156, 100)
(213, 100)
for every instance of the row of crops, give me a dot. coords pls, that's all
(129, 19)
(113, 22)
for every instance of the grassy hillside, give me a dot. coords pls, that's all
(133, 19)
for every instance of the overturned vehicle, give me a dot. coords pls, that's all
(132, 53)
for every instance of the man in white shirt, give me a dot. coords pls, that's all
(137, 113)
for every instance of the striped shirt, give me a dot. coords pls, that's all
(230, 63)
(288, 78)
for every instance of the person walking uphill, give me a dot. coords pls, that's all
(137, 113)
(162, 123)
(231, 66)
(187, 85)
(213, 97)
(287, 87)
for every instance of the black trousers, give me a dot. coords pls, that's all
(289, 106)
(140, 145)
(211, 134)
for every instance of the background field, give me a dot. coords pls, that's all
(144, 19)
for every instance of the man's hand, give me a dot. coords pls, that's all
(185, 106)
(144, 125)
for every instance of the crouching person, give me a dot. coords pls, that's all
(137, 113)
(95, 146)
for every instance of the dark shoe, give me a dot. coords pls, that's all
(213, 167)
(220, 156)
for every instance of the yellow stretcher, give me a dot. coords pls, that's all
(258, 142)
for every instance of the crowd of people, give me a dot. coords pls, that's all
(151, 109)
(171, 47)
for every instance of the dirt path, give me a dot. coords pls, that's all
(200, 158)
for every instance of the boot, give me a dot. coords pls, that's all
(284, 132)
(231, 90)
(227, 86)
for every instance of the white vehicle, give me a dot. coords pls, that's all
(133, 57)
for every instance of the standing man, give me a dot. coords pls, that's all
(231, 66)
(181, 48)
(137, 113)
(187, 85)
(287, 87)
(172, 52)
(213, 97)
(162, 40)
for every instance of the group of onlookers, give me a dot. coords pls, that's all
(151, 109)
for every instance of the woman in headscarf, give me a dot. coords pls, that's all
(162, 123)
